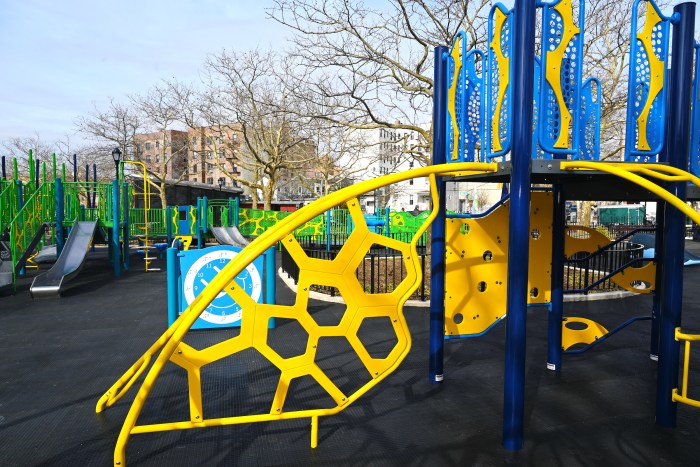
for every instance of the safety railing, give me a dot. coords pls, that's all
(8, 203)
(40, 207)
(156, 218)
(682, 396)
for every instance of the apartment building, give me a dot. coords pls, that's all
(163, 153)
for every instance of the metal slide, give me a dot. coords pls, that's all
(229, 236)
(68, 264)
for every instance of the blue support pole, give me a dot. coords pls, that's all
(75, 167)
(116, 250)
(169, 224)
(59, 216)
(270, 281)
(87, 184)
(198, 224)
(437, 257)
(235, 215)
(328, 230)
(125, 228)
(94, 181)
(37, 165)
(4, 170)
(231, 208)
(678, 148)
(173, 273)
(523, 67)
(556, 307)
(658, 279)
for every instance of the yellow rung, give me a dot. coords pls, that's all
(682, 397)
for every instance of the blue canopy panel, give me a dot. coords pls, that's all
(589, 122)
(465, 85)
(646, 102)
(560, 88)
(498, 100)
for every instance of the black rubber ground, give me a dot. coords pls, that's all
(57, 357)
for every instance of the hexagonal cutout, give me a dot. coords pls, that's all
(202, 338)
(377, 336)
(241, 384)
(305, 393)
(327, 313)
(338, 360)
(169, 398)
(288, 338)
(381, 270)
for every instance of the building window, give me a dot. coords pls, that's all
(410, 182)
(410, 165)
(210, 180)
(410, 200)
(194, 140)
(234, 137)
(194, 168)
(210, 155)
(148, 146)
(157, 144)
(209, 140)
(210, 168)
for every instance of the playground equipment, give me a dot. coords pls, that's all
(68, 264)
(556, 147)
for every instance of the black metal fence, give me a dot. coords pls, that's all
(383, 268)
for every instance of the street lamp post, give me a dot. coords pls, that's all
(116, 155)
(222, 182)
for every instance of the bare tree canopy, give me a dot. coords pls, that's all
(376, 63)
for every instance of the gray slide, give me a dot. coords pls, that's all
(229, 236)
(68, 264)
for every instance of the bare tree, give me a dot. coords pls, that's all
(248, 88)
(19, 147)
(117, 124)
(160, 111)
(376, 63)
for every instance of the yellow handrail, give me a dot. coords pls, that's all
(683, 396)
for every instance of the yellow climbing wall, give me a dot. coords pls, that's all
(476, 266)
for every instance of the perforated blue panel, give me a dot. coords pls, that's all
(537, 151)
(456, 108)
(646, 112)
(589, 122)
(474, 103)
(695, 118)
(558, 135)
(496, 88)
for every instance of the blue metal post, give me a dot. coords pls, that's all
(169, 224)
(20, 204)
(173, 288)
(235, 215)
(556, 307)
(658, 279)
(678, 148)
(523, 69)
(125, 229)
(4, 171)
(94, 181)
(198, 224)
(437, 248)
(270, 281)
(116, 250)
(37, 165)
(231, 208)
(75, 167)
(387, 221)
(87, 184)
(328, 230)
(59, 216)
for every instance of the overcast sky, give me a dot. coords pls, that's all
(60, 57)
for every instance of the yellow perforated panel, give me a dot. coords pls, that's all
(476, 266)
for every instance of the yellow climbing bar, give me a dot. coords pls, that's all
(340, 272)
(682, 397)
(629, 171)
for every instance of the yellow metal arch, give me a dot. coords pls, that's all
(254, 329)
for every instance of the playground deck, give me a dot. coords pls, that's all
(59, 356)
